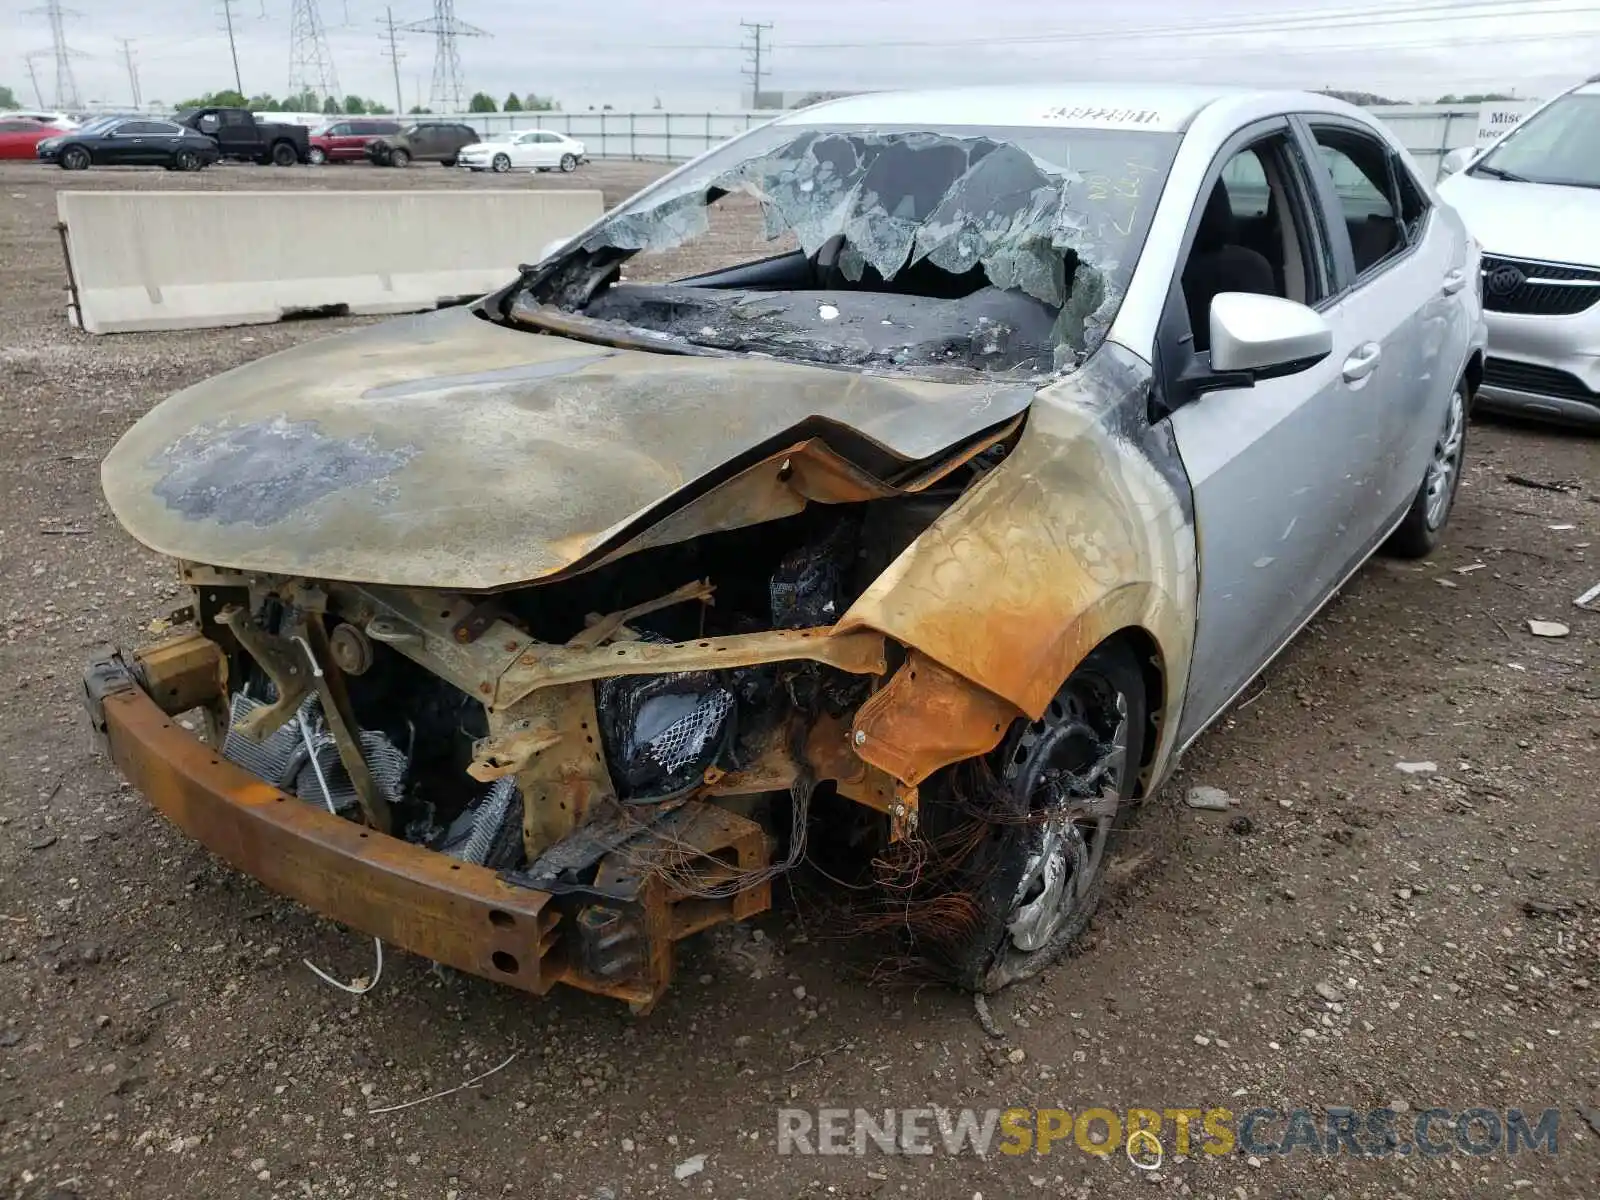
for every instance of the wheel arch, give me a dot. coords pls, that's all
(1158, 713)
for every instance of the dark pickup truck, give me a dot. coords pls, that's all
(240, 136)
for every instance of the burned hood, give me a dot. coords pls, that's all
(447, 451)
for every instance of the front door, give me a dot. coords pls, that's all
(1270, 464)
(132, 145)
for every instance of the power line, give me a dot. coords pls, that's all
(394, 55)
(753, 49)
(66, 86)
(446, 93)
(38, 92)
(310, 60)
(227, 17)
(1291, 22)
(133, 71)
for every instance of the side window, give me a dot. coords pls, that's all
(1360, 167)
(235, 119)
(1414, 203)
(1253, 234)
(1246, 180)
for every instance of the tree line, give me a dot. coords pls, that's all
(357, 106)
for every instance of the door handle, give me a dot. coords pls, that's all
(1454, 281)
(1361, 362)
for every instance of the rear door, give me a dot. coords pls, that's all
(1269, 465)
(238, 135)
(459, 136)
(1398, 311)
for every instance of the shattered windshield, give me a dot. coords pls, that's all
(1053, 217)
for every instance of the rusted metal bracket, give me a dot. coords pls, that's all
(291, 676)
(477, 621)
(342, 724)
(860, 652)
(607, 626)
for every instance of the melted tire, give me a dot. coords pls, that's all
(982, 956)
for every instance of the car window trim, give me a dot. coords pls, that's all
(1330, 195)
(1397, 164)
(1171, 354)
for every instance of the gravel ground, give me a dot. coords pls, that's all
(1349, 934)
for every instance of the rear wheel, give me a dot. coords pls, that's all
(399, 157)
(283, 155)
(74, 158)
(1423, 525)
(1036, 849)
(186, 160)
(316, 156)
(569, 162)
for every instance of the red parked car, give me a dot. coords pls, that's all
(18, 137)
(346, 141)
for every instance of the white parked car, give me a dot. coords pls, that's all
(57, 120)
(1533, 201)
(527, 149)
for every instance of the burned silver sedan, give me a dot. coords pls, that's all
(538, 635)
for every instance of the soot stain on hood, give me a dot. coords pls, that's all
(263, 472)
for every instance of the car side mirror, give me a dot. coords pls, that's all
(1265, 337)
(1457, 160)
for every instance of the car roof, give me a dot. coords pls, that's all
(1166, 108)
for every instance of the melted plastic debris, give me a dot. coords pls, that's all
(896, 200)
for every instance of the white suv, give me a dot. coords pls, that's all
(1533, 201)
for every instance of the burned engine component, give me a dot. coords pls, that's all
(281, 758)
(489, 832)
(808, 588)
(663, 731)
(351, 649)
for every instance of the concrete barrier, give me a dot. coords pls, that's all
(194, 260)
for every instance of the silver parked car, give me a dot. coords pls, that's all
(1012, 430)
(1533, 201)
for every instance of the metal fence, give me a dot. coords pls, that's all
(1428, 130)
(669, 137)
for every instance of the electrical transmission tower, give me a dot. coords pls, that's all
(446, 93)
(394, 54)
(310, 60)
(133, 71)
(66, 86)
(753, 48)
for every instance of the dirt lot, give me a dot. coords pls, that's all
(1366, 937)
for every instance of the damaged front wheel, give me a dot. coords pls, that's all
(1030, 827)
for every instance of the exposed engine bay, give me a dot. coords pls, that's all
(536, 732)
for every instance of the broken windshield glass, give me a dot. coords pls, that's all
(1056, 214)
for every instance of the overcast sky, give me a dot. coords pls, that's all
(629, 52)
